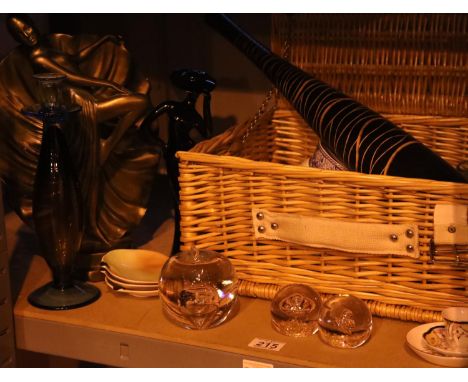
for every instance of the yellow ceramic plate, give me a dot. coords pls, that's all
(135, 293)
(137, 265)
(105, 269)
(140, 287)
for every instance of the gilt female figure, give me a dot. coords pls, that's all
(114, 163)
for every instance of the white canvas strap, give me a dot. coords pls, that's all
(347, 236)
(450, 224)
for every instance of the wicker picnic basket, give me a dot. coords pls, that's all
(411, 68)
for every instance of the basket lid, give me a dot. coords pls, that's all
(393, 63)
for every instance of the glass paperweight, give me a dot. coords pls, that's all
(345, 321)
(198, 289)
(295, 309)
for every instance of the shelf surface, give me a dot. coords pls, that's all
(121, 330)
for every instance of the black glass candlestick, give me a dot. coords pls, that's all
(186, 128)
(57, 204)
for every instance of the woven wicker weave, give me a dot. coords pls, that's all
(257, 164)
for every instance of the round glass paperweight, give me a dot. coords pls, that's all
(345, 321)
(295, 309)
(198, 289)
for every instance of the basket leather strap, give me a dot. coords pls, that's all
(450, 224)
(346, 236)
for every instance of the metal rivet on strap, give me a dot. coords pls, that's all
(261, 229)
(393, 237)
(452, 229)
(409, 248)
(260, 216)
(274, 226)
(409, 233)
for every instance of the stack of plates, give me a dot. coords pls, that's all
(133, 271)
(427, 341)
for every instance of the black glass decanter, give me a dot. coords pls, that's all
(57, 202)
(186, 128)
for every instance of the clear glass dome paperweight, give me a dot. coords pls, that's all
(295, 309)
(198, 289)
(345, 321)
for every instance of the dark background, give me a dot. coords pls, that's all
(160, 43)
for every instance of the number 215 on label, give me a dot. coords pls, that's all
(260, 343)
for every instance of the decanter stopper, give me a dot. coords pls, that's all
(50, 90)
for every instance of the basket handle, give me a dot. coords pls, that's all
(334, 234)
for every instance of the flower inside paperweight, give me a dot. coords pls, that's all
(345, 321)
(295, 309)
(198, 289)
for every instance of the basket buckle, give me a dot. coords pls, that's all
(458, 251)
